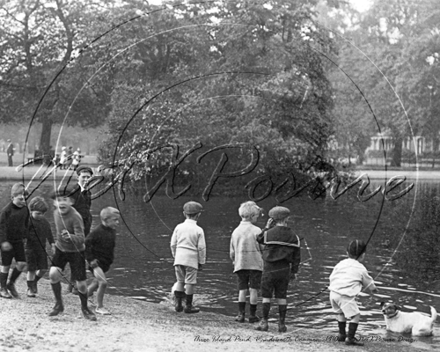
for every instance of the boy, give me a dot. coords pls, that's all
(70, 249)
(39, 233)
(100, 245)
(281, 255)
(188, 248)
(347, 280)
(14, 227)
(245, 254)
(82, 198)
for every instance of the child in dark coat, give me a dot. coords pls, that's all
(100, 245)
(281, 255)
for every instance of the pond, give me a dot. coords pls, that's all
(409, 276)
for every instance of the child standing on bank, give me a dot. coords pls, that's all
(39, 233)
(281, 255)
(348, 278)
(247, 258)
(188, 248)
(100, 246)
(14, 228)
(70, 249)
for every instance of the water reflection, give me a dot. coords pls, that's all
(402, 258)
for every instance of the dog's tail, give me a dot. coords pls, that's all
(433, 314)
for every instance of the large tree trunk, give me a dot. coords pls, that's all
(397, 153)
(45, 146)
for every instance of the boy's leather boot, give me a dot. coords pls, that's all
(351, 340)
(178, 297)
(253, 318)
(30, 290)
(282, 312)
(11, 284)
(87, 313)
(59, 308)
(342, 334)
(264, 325)
(3, 291)
(189, 308)
(241, 312)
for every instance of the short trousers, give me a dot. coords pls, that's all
(275, 279)
(16, 252)
(36, 259)
(248, 279)
(75, 259)
(344, 305)
(186, 274)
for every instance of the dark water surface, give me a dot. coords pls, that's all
(143, 264)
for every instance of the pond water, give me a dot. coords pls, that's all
(409, 276)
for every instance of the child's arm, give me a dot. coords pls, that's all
(232, 249)
(77, 237)
(201, 246)
(5, 245)
(173, 243)
(368, 283)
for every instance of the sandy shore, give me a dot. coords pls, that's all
(139, 326)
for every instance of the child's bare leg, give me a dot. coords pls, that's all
(189, 289)
(30, 275)
(102, 285)
(92, 287)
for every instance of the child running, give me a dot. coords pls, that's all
(14, 228)
(347, 280)
(188, 248)
(100, 245)
(39, 233)
(246, 257)
(281, 255)
(70, 249)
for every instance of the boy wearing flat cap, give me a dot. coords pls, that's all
(69, 248)
(281, 255)
(188, 248)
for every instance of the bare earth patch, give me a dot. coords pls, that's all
(139, 326)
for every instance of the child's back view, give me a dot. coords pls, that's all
(246, 256)
(347, 280)
(189, 251)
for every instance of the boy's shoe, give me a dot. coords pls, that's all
(12, 290)
(59, 308)
(240, 318)
(254, 319)
(102, 311)
(341, 338)
(88, 314)
(282, 328)
(30, 292)
(4, 293)
(191, 309)
(263, 326)
(351, 341)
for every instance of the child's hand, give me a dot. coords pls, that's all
(269, 223)
(65, 234)
(94, 263)
(200, 267)
(6, 246)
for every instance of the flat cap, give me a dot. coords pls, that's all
(84, 169)
(192, 208)
(279, 213)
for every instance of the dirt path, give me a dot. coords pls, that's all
(139, 326)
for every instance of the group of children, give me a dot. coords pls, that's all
(24, 232)
(266, 259)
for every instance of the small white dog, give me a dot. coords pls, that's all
(416, 323)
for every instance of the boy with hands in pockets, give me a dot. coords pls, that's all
(188, 248)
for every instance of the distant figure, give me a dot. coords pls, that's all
(69, 157)
(10, 152)
(76, 157)
(63, 159)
